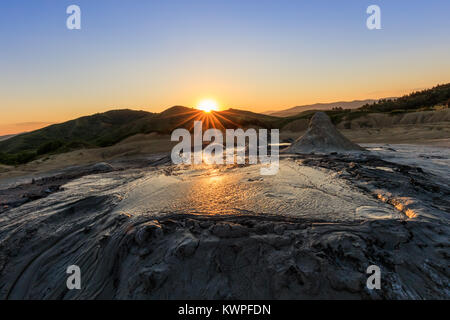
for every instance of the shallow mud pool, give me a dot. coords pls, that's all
(433, 159)
(295, 191)
(184, 232)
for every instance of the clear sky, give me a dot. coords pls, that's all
(251, 54)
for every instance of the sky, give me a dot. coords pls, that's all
(257, 55)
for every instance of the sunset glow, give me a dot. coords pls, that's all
(208, 105)
(325, 57)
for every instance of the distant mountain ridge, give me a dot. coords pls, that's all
(321, 106)
(438, 95)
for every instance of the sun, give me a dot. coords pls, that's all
(208, 105)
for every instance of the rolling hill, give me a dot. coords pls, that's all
(7, 136)
(106, 129)
(438, 95)
(320, 106)
(432, 99)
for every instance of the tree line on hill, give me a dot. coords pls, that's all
(439, 95)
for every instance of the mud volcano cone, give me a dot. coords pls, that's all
(322, 137)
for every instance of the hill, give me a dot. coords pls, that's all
(109, 128)
(7, 136)
(106, 129)
(320, 106)
(432, 99)
(425, 99)
(439, 95)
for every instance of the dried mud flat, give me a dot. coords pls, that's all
(158, 232)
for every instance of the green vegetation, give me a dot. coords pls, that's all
(416, 100)
(431, 99)
(17, 158)
(106, 129)
(92, 131)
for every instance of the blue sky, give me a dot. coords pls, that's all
(257, 55)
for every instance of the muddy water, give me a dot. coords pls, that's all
(433, 159)
(145, 233)
(296, 190)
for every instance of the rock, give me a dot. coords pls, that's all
(229, 230)
(153, 277)
(346, 280)
(102, 167)
(151, 229)
(187, 247)
(322, 137)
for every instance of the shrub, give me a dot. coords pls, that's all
(49, 147)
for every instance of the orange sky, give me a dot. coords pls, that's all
(42, 111)
(253, 55)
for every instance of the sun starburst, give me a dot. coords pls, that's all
(208, 105)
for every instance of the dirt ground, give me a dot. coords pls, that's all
(437, 134)
(432, 134)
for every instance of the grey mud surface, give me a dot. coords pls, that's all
(170, 232)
